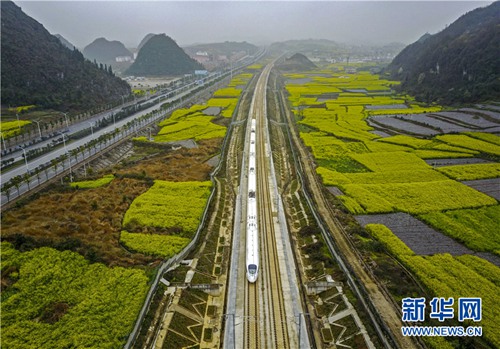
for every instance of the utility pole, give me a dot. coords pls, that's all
(91, 127)
(66, 117)
(39, 130)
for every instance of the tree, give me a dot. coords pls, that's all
(6, 190)
(54, 163)
(26, 179)
(63, 158)
(74, 152)
(37, 172)
(16, 182)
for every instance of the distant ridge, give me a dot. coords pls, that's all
(161, 56)
(457, 65)
(38, 69)
(329, 47)
(227, 48)
(105, 51)
(297, 62)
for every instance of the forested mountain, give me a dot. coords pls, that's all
(144, 40)
(457, 65)
(105, 51)
(297, 62)
(38, 69)
(161, 56)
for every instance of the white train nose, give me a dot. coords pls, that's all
(252, 278)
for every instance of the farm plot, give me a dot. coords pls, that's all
(448, 276)
(154, 244)
(381, 133)
(467, 119)
(227, 92)
(10, 129)
(457, 161)
(419, 237)
(212, 111)
(195, 126)
(392, 123)
(94, 183)
(488, 113)
(416, 198)
(470, 143)
(390, 161)
(176, 205)
(489, 187)
(476, 228)
(443, 126)
(298, 81)
(412, 109)
(55, 299)
(472, 172)
(489, 106)
(425, 144)
(386, 106)
(487, 137)
(228, 105)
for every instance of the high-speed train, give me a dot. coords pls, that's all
(252, 257)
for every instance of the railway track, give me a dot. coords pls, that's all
(266, 324)
(252, 317)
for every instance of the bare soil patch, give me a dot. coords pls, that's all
(179, 165)
(490, 187)
(419, 237)
(84, 221)
(456, 161)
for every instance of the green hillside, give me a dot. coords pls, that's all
(38, 69)
(161, 56)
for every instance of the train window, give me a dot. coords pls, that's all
(252, 269)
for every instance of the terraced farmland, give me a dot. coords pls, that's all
(400, 164)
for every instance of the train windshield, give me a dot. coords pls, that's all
(252, 269)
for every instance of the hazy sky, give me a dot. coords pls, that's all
(259, 22)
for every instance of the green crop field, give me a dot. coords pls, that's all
(154, 244)
(386, 172)
(61, 300)
(447, 276)
(227, 92)
(476, 228)
(12, 128)
(471, 172)
(193, 126)
(228, 105)
(175, 205)
(93, 184)
(471, 143)
(191, 123)
(417, 197)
